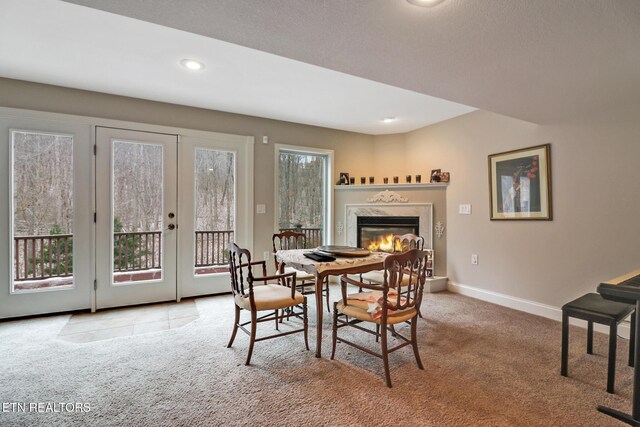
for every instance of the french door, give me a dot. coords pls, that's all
(166, 212)
(136, 217)
(95, 216)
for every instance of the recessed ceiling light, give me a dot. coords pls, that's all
(425, 3)
(192, 64)
(388, 119)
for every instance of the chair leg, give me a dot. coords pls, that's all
(414, 341)
(565, 344)
(632, 339)
(611, 371)
(327, 296)
(377, 332)
(254, 324)
(277, 320)
(235, 326)
(590, 337)
(385, 354)
(335, 329)
(305, 323)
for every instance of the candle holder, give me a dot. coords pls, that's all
(363, 180)
(418, 179)
(385, 180)
(395, 179)
(352, 180)
(371, 180)
(408, 178)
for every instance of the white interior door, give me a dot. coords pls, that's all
(46, 216)
(137, 217)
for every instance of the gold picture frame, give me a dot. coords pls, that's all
(520, 184)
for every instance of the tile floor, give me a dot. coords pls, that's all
(121, 322)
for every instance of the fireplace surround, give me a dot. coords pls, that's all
(421, 211)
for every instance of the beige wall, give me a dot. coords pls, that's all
(350, 148)
(595, 233)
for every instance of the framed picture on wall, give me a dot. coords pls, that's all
(520, 184)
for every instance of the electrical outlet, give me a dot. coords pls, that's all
(474, 259)
(266, 255)
(261, 209)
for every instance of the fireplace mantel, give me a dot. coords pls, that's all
(389, 186)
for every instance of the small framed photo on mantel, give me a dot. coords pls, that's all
(520, 184)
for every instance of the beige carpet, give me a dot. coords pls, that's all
(484, 366)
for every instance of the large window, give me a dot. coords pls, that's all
(303, 192)
(42, 171)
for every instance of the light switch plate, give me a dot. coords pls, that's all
(464, 209)
(261, 209)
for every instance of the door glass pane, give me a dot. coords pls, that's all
(137, 211)
(215, 207)
(301, 195)
(42, 178)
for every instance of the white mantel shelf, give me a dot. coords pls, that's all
(389, 186)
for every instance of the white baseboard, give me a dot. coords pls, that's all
(527, 306)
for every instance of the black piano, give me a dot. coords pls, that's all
(626, 288)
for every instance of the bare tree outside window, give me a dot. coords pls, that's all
(42, 174)
(215, 207)
(301, 194)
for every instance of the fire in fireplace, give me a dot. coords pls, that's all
(376, 232)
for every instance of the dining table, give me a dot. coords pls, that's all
(320, 270)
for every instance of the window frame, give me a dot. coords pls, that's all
(327, 191)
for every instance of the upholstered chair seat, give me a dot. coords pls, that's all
(270, 297)
(359, 307)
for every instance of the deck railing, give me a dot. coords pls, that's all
(136, 251)
(211, 247)
(313, 235)
(43, 257)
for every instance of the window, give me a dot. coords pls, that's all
(303, 196)
(42, 181)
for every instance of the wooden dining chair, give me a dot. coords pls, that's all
(383, 306)
(255, 294)
(305, 282)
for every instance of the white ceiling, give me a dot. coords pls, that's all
(69, 45)
(537, 60)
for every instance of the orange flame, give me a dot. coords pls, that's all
(385, 244)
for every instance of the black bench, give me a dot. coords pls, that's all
(594, 308)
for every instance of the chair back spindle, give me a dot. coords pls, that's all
(409, 241)
(406, 271)
(287, 240)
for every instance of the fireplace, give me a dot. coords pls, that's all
(375, 232)
(369, 211)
